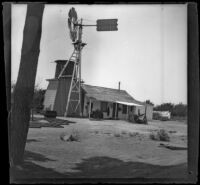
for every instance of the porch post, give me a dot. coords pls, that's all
(116, 111)
(145, 111)
(89, 108)
(127, 112)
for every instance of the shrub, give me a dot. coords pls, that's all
(180, 110)
(117, 135)
(176, 110)
(97, 114)
(164, 107)
(133, 134)
(50, 114)
(74, 136)
(163, 135)
(153, 136)
(156, 115)
(123, 132)
(160, 135)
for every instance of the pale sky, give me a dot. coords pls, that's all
(148, 53)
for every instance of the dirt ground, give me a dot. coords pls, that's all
(107, 149)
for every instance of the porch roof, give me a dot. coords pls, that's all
(110, 95)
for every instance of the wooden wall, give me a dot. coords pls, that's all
(62, 95)
(50, 95)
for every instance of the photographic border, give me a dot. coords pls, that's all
(193, 100)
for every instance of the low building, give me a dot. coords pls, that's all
(114, 103)
(57, 90)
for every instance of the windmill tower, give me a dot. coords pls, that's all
(63, 93)
(73, 106)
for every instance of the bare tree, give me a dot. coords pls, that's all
(24, 89)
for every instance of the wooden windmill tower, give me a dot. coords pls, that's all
(73, 106)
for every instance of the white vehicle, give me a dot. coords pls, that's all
(163, 115)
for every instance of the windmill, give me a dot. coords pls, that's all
(68, 79)
(74, 96)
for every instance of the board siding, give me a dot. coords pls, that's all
(62, 95)
(50, 95)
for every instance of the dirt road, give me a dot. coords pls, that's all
(108, 148)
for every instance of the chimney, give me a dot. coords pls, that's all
(119, 86)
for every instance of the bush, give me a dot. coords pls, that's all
(160, 135)
(38, 98)
(97, 114)
(74, 136)
(50, 114)
(117, 135)
(179, 110)
(156, 115)
(164, 107)
(123, 132)
(133, 134)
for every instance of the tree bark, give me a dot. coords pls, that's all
(24, 89)
(7, 49)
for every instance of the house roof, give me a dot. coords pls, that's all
(110, 95)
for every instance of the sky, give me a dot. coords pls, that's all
(148, 53)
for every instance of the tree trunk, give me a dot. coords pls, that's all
(24, 89)
(7, 49)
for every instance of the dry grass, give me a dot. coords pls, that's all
(123, 132)
(68, 155)
(117, 135)
(133, 134)
(160, 135)
(74, 136)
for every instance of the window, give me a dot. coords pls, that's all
(104, 106)
(91, 106)
(132, 109)
(124, 109)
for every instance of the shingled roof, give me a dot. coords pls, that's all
(109, 94)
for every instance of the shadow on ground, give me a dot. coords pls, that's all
(51, 122)
(32, 156)
(96, 167)
(57, 120)
(111, 167)
(32, 140)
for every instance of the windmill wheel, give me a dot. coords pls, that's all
(72, 21)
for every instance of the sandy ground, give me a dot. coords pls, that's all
(99, 151)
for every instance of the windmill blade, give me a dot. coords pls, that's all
(72, 13)
(72, 20)
(69, 23)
